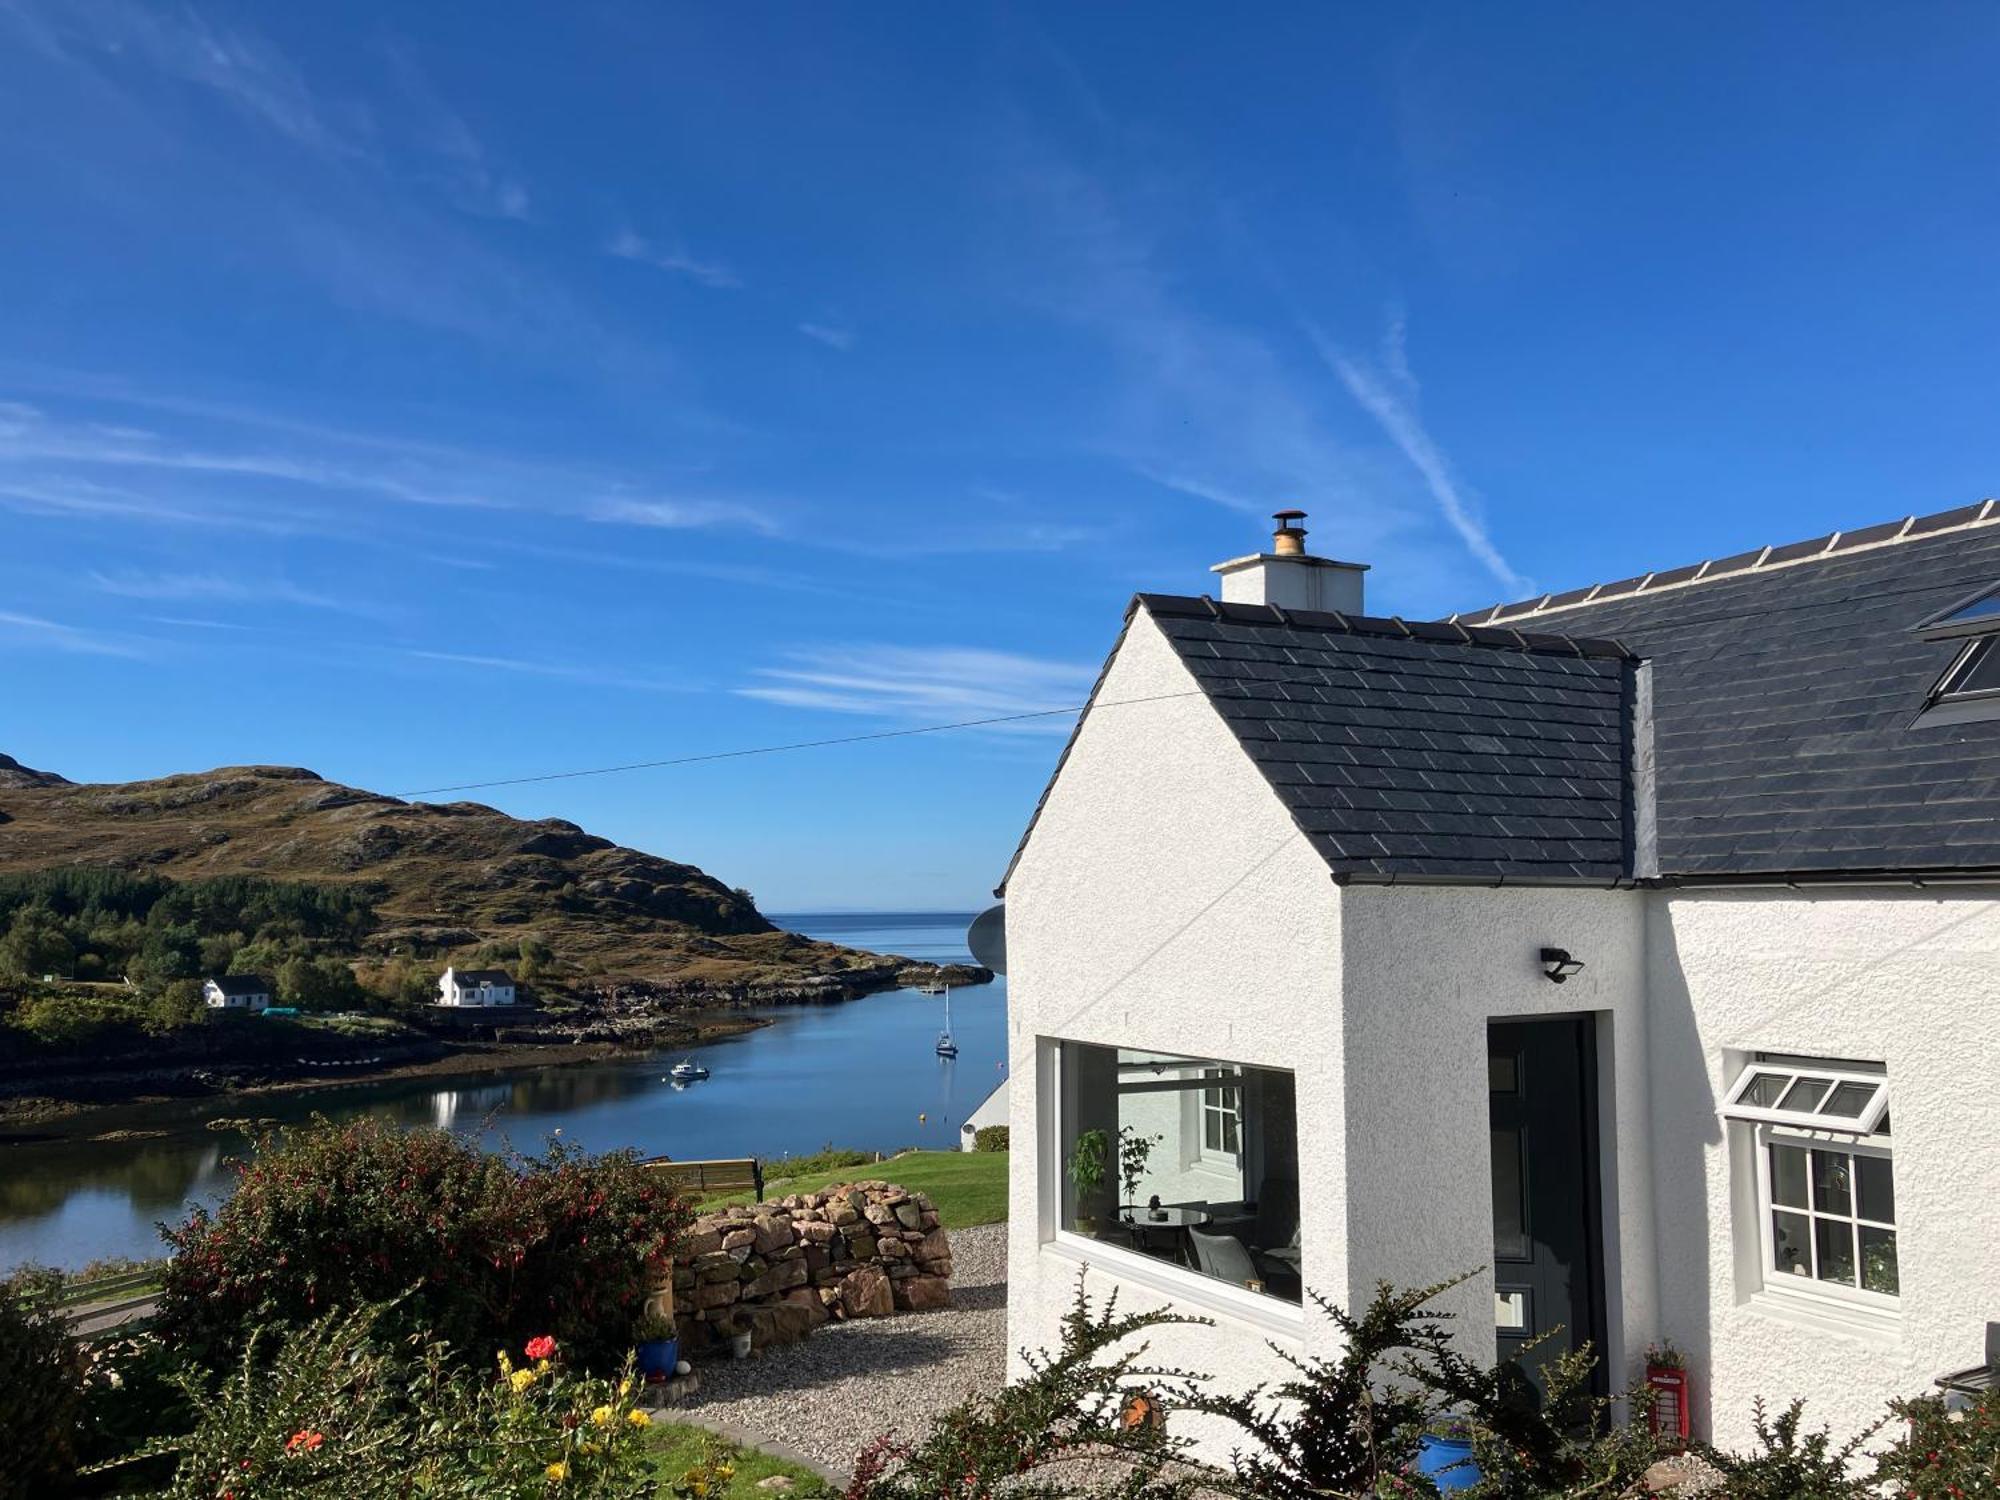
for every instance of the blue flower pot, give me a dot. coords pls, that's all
(658, 1358)
(1447, 1462)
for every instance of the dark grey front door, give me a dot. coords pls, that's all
(1547, 1247)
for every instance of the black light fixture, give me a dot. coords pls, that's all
(1558, 965)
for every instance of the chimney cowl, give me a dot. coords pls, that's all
(1289, 576)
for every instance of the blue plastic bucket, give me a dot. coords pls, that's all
(658, 1358)
(1447, 1462)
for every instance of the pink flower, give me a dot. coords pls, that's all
(541, 1348)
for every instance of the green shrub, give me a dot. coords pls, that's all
(1941, 1455)
(1790, 1463)
(340, 1407)
(478, 1250)
(41, 1388)
(829, 1158)
(990, 1138)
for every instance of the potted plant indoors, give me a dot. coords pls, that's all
(1444, 1454)
(1134, 1151)
(659, 1347)
(1087, 1162)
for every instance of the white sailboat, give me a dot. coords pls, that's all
(946, 1047)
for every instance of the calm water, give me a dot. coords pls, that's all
(859, 1074)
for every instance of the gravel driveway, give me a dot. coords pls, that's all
(850, 1382)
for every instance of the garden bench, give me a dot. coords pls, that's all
(743, 1174)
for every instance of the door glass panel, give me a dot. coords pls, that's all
(1875, 1190)
(1805, 1094)
(1836, 1250)
(1510, 1214)
(1788, 1176)
(1789, 1250)
(1878, 1260)
(1833, 1183)
(1849, 1100)
(1503, 1072)
(1766, 1089)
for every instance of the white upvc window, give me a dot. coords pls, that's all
(1825, 1186)
(1221, 1119)
(1829, 1216)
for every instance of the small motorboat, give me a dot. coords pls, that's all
(687, 1072)
(933, 987)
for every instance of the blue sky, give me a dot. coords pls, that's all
(430, 394)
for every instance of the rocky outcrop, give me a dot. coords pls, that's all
(778, 1270)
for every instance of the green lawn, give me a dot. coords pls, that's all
(679, 1448)
(969, 1187)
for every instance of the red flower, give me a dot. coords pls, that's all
(541, 1348)
(304, 1438)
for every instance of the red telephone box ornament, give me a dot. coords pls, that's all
(1667, 1379)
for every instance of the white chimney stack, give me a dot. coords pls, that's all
(1289, 577)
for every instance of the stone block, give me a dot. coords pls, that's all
(715, 1294)
(909, 1215)
(922, 1293)
(739, 1239)
(865, 1293)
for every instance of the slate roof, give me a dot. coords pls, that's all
(1787, 689)
(1424, 751)
(472, 977)
(242, 984)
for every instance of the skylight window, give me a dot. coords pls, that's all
(1976, 673)
(1809, 1097)
(1974, 616)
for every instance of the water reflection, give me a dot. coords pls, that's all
(860, 1074)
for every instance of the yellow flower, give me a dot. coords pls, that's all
(725, 1472)
(506, 1364)
(602, 1416)
(638, 1418)
(625, 1386)
(557, 1472)
(521, 1380)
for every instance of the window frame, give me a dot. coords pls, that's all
(1224, 1114)
(1188, 1288)
(1811, 1290)
(1942, 626)
(1943, 691)
(1866, 1124)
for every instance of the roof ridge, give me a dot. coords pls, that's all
(1757, 560)
(1453, 632)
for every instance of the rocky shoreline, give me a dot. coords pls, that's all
(617, 1021)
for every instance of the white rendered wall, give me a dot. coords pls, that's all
(1425, 968)
(1166, 901)
(1909, 979)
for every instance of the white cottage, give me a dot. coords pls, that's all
(1639, 946)
(465, 987)
(237, 992)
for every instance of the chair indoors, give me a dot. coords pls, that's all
(1223, 1257)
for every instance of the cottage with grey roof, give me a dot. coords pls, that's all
(237, 992)
(1637, 945)
(475, 987)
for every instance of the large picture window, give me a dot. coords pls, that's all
(1190, 1161)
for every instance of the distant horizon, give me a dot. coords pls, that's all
(456, 396)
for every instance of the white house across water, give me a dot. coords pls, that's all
(1637, 949)
(237, 992)
(475, 987)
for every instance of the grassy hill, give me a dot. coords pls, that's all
(446, 882)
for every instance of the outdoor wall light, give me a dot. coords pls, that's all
(1558, 965)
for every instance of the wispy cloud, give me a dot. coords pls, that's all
(32, 630)
(181, 43)
(629, 245)
(183, 622)
(1395, 411)
(472, 180)
(833, 335)
(596, 676)
(683, 515)
(924, 683)
(251, 588)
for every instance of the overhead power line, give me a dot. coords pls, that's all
(845, 739)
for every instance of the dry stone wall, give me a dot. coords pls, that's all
(778, 1270)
